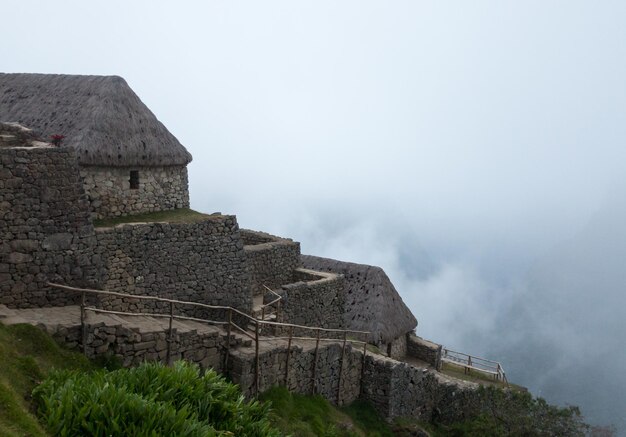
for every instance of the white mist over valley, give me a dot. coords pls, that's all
(474, 150)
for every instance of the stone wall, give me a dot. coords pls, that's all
(397, 389)
(250, 237)
(199, 262)
(132, 345)
(272, 364)
(424, 350)
(160, 189)
(271, 259)
(45, 228)
(316, 299)
(397, 348)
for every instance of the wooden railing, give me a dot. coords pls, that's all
(229, 324)
(272, 307)
(470, 362)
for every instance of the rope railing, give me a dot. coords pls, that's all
(471, 362)
(229, 323)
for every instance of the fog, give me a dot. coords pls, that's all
(474, 150)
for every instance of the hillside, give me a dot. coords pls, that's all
(29, 354)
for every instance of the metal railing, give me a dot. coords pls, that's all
(470, 362)
(229, 324)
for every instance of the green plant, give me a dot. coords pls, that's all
(150, 399)
(509, 412)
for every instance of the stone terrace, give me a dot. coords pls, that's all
(394, 388)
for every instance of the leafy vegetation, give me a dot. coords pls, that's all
(509, 412)
(147, 400)
(182, 215)
(184, 401)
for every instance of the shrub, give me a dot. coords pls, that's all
(509, 412)
(148, 400)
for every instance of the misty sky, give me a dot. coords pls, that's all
(473, 149)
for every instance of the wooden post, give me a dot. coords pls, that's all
(288, 356)
(228, 330)
(343, 351)
(256, 355)
(469, 364)
(317, 346)
(170, 335)
(363, 363)
(83, 328)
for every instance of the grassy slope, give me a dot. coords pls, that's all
(27, 353)
(459, 372)
(309, 416)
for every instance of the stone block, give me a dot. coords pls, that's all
(24, 246)
(144, 345)
(59, 241)
(19, 258)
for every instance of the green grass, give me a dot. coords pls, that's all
(26, 355)
(182, 215)
(313, 416)
(459, 372)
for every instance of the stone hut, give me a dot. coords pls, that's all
(129, 161)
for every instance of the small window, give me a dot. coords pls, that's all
(134, 179)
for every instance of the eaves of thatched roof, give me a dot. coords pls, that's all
(372, 302)
(100, 117)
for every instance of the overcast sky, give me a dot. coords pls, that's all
(461, 145)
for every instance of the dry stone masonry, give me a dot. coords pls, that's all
(129, 161)
(306, 373)
(45, 229)
(424, 350)
(200, 262)
(110, 192)
(315, 299)
(397, 389)
(271, 259)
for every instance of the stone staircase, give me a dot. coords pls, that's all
(258, 313)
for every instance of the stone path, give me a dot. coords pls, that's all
(54, 319)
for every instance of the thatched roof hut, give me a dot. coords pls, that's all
(129, 161)
(100, 117)
(372, 302)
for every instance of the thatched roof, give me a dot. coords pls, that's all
(16, 135)
(372, 302)
(100, 116)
